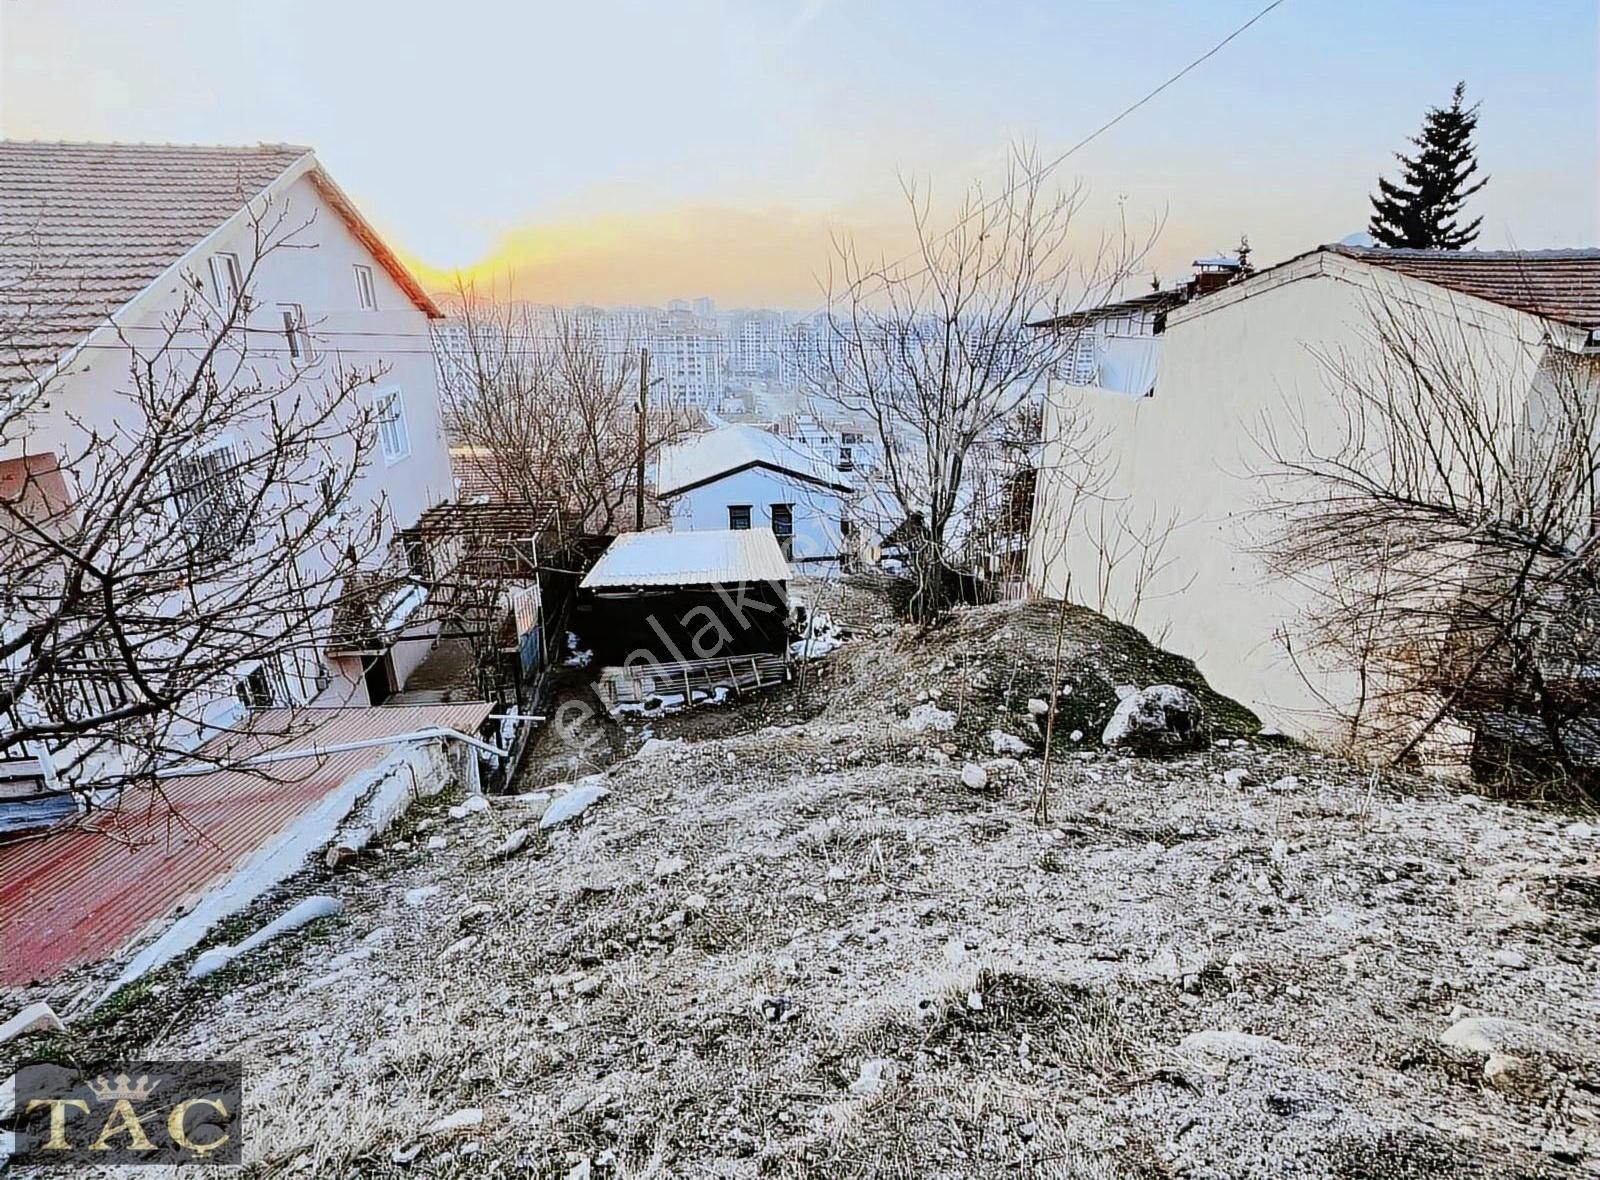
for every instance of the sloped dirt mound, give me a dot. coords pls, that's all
(988, 663)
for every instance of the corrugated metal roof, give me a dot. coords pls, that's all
(713, 557)
(733, 448)
(76, 896)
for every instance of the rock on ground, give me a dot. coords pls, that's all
(1161, 719)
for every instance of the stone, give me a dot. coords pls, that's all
(1504, 1071)
(461, 1120)
(472, 805)
(1500, 1034)
(588, 985)
(877, 1075)
(1579, 831)
(1161, 719)
(1038, 707)
(573, 804)
(1006, 743)
(925, 717)
(38, 1017)
(1236, 777)
(1178, 966)
(1512, 959)
(1229, 1045)
(974, 777)
(514, 843)
(1288, 782)
(437, 843)
(422, 895)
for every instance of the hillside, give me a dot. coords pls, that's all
(792, 942)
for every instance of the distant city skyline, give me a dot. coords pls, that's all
(728, 143)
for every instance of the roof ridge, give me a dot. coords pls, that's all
(168, 146)
(1549, 252)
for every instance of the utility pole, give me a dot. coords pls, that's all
(644, 400)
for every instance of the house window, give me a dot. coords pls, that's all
(262, 687)
(738, 516)
(227, 280)
(392, 435)
(783, 528)
(418, 557)
(86, 683)
(366, 292)
(294, 331)
(208, 498)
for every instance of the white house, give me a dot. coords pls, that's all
(740, 477)
(102, 244)
(1173, 540)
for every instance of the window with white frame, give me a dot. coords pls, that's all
(294, 331)
(227, 280)
(208, 498)
(366, 289)
(392, 435)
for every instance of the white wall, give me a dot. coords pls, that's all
(90, 394)
(817, 510)
(1235, 368)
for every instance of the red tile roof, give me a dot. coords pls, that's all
(1559, 285)
(77, 896)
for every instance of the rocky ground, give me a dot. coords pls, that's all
(795, 939)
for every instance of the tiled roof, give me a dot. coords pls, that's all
(85, 227)
(709, 557)
(77, 896)
(1559, 285)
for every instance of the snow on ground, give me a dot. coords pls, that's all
(809, 950)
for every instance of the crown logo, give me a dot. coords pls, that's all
(123, 1087)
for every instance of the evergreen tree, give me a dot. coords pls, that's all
(1420, 211)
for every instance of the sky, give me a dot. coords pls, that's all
(613, 153)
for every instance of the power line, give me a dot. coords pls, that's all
(1056, 162)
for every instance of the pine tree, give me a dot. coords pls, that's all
(1420, 211)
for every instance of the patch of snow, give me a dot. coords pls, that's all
(39, 1017)
(310, 910)
(655, 747)
(271, 864)
(584, 795)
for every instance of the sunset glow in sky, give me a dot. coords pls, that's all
(633, 152)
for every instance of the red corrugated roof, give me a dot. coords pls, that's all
(77, 896)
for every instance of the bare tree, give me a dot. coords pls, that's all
(545, 409)
(202, 532)
(936, 352)
(1448, 532)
